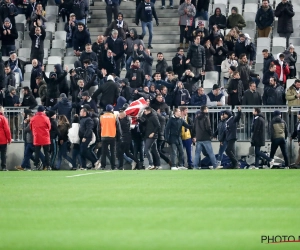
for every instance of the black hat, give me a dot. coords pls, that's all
(85, 93)
(276, 113)
(227, 112)
(50, 113)
(41, 108)
(125, 80)
(12, 52)
(87, 107)
(233, 68)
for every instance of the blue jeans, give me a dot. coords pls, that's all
(149, 25)
(222, 149)
(63, 152)
(204, 145)
(163, 2)
(259, 154)
(177, 149)
(128, 63)
(5, 49)
(187, 144)
(29, 149)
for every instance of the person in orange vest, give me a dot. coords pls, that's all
(5, 138)
(110, 132)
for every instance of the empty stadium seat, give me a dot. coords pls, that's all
(208, 84)
(263, 41)
(212, 75)
(259, 58)
(28, 67)
(50, 26)
(277, 49)
(53, 10)
(24, 52)
(60, 35)
(20, 27)
(70, 59)
(27, 76)
(26, 44)
(279, 41)
(58, 44)
(25, 83)
(56, 52)
(248, 16)
(54, 60)
(250, 7)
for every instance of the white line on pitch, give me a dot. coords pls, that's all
(77, 175)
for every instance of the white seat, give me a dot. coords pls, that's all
(24, 52)
(259, 67)
(60, 44)
(220, 1)
(289, 83)
(27, 76)
(250, 32)
(250, 25)
(26, 43)
(295, 41)
(53, 10)
(45, 53)
(263, 41)
(50, 26)
(20, 18)
(57, 52)
(277, 50)
(208, 84)
(17, 77)
(249, 16)
(28, 67)
(51, 18)
(250, 7)
(48, 35)
(212, 75)
(297, 49)
(60, 35)
(279, 41)
(259, 58)
(25, 84)
(70, 52)
(60, 26)
(54, 60)
(47, 44)
(70, 59)
(20, 27)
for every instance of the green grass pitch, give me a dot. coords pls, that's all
(226, 209)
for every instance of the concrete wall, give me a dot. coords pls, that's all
(16, 150)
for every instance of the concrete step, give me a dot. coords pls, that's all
(131, 22)
(157, 30)
(131, 13)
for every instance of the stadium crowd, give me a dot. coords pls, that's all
(86, 105)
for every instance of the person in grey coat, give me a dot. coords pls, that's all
(186, 11)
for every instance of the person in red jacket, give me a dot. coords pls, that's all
(282, 69)
(5, 138)
(40, 126)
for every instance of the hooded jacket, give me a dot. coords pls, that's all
(125, 128)
(220, 54)
(264, 18)
(178, 67)
(285, 13)
(151, 124)
(63, 107)
(219, 20)
(162, 106)
(52, 84)
(291, 96)
(258, 131)
(131, 41)
(161, 67)
(80, 39)
(29, 101)
(126, 92)
(236, 20)
(278, 128)
(202, 128)
(231, 126)
(54, 132)
(146, 59)
(5, 135)
(109, 91)
(40, 126)
(62, 85)
(138, 73)
(196, 54)
(221, 130)
(186, 19)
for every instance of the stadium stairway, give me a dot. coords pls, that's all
(165, 36)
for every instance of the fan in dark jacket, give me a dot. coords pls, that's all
(80, 9)
(10, 79)
(284, 11)
(268, 74)
(37, 35)
(245, 46)
(109, 91)
(196, 54)
(99, 49)
(264, 19)
(63, 85)
(70, 28)
(63, 107)
(179, 62)
(120, 25)
(52, 86)
(135, 75)
(199, 98)
(8, 10)
(158, 103)
(217, 19)
(231, 135)
(235, 90)
(126, 90)
(209, 55)
(36, 71)
(8, 36)
(274, 94)
(80, 39)
(251, 96)
(88, 54)
(173, 137)
(182, 96)
(190, 81)
(268, 59)
(28, 99)
(161, 65)
(258, 137)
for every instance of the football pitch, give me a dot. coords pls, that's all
(205, 209)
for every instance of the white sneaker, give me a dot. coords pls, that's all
(211, 167)
(133, 165)
(219, 167)
(150, 167)
(253, 167)
(272, 163)
(97, 165)
(182, 168)
(160, 168)
(174, 168)
(265, 167)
